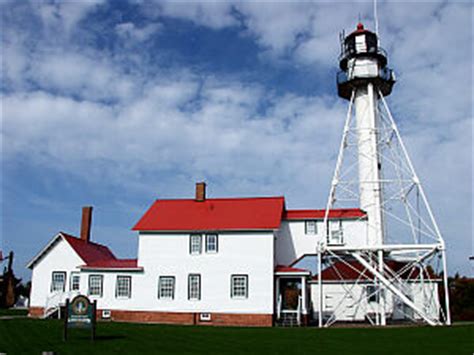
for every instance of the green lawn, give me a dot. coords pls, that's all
(13, 312)
(28, 336)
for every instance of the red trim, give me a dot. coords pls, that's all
(283, 268)
(360, 29)
(114, 264)
(341, 213)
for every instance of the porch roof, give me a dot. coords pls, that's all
(286, 270)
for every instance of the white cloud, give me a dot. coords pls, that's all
(128, 30)
(276, 26)
(64, 15)
(80, 111)
(214, 14)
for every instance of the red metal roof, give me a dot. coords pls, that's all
(88, 251)
(340, 271)
(319, 214)
(283, 268)
(112, 264)
(218, 214)
(97, 255)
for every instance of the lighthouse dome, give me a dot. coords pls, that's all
(361, 42)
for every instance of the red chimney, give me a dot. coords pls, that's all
(86, 223)
(200, 191)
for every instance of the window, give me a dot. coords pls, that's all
(194, 287)
(239, 286)
(211, 243)
(195, 244)
(75, 281)
(166, 287)
(335, 232)
(123, 287)
(58, 281)
(328, 302)
(95, 285)
(372, 293)
(311, 227)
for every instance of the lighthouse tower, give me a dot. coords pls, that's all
(363, 78)
(402, 245)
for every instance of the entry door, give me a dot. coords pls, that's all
(290, 290)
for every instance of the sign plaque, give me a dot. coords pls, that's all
(80, 313)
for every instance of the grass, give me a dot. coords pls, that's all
(13, 312)
(27, 336)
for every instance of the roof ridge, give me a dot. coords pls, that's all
(223, 198)
(322, 209)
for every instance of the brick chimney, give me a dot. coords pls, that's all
(200, 191)
(86, 223)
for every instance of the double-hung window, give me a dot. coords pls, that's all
(336, 235)
(58, 281)
(311, 227)
(194, 287)
(166, 287)
(211, 243)
(75, 281)
(123, 287)
(195, 241)
(239, 285)
(96, 285)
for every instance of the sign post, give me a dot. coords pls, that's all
(80, 313)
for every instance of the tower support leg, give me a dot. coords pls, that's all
(381, 290)
(320, 289)
(446, 289)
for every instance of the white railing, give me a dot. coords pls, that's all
(298, 314)
(55, 300)
(279, 307)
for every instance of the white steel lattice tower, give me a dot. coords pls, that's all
(401, 261)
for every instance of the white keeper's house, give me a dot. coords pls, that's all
(219, 261)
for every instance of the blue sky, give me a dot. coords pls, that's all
(115, 104)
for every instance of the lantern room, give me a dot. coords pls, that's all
(361, 61)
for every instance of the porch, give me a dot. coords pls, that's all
(291, 296)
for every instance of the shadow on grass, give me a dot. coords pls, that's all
(109, 337)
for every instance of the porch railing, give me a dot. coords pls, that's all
(279, 306)
(299, 309)
(55, 300)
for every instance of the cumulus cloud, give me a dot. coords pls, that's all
(214, 14)
(63, 15)
(151, 129)
(128, 30)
